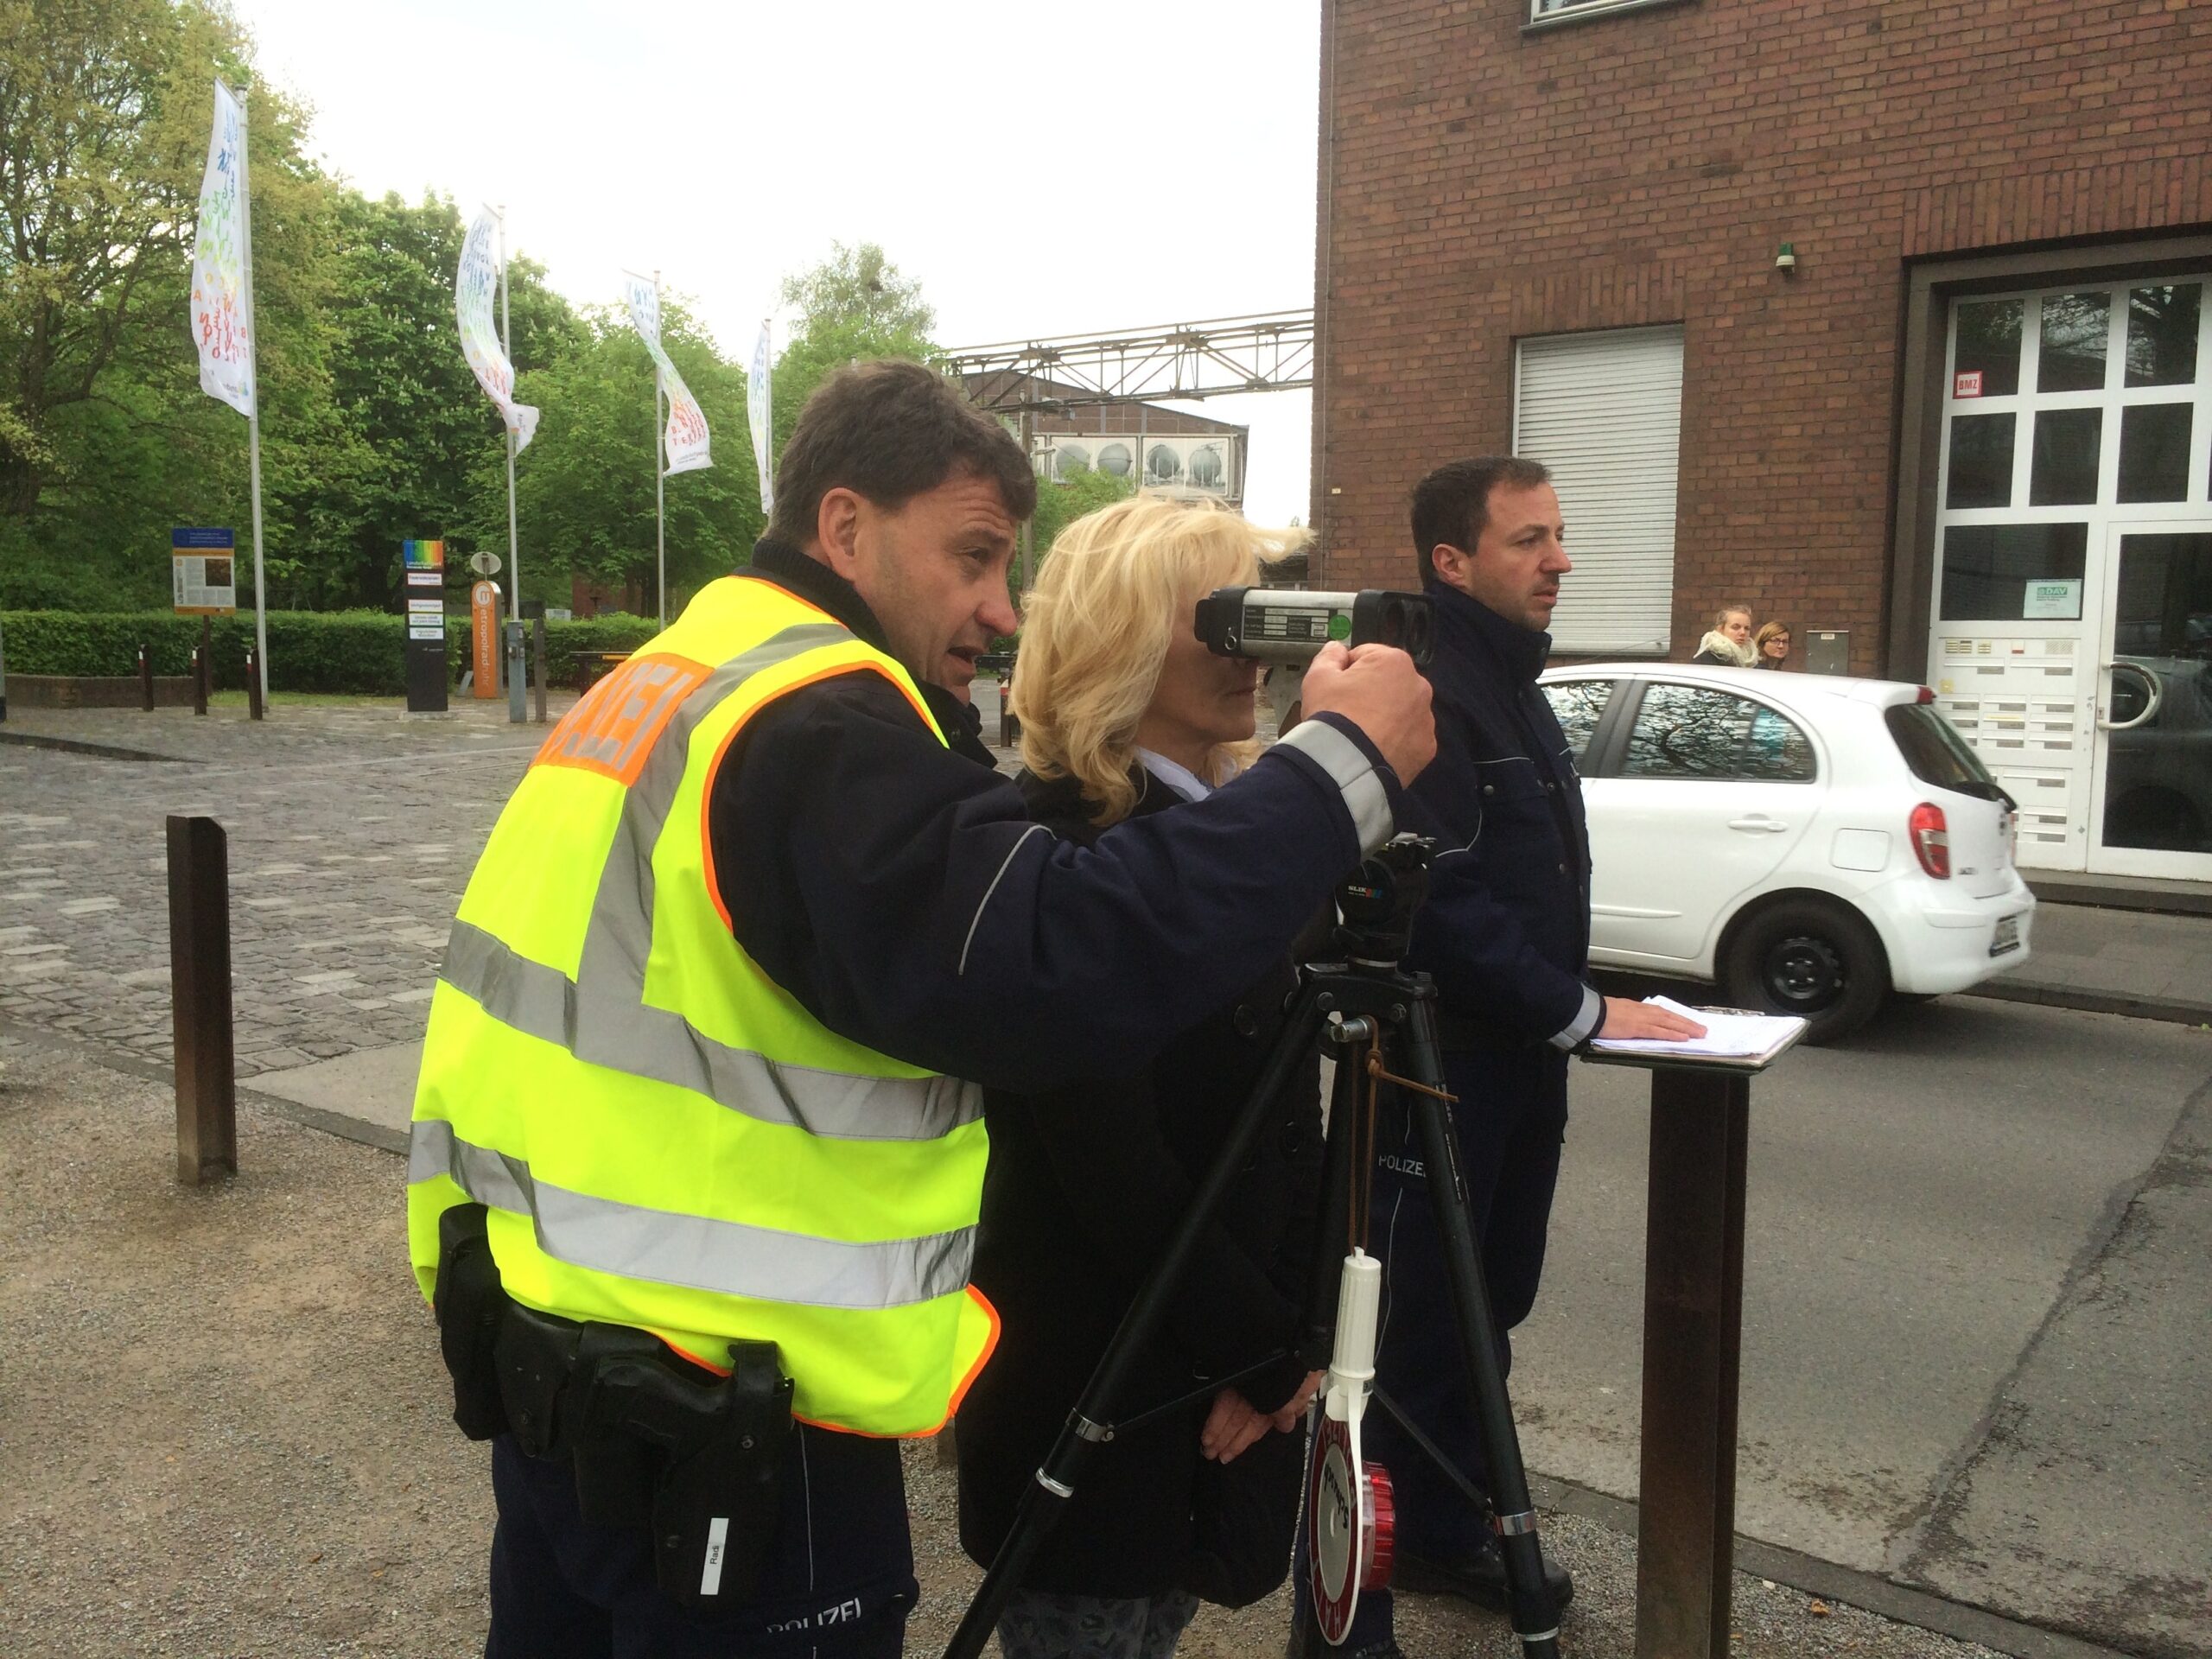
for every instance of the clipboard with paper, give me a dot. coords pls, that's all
(1733, 1038)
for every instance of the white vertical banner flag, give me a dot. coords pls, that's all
(222, 297)
(684, 442)
(475, 286)
(759, 410)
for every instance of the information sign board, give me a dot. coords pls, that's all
(425, 562)
(203, 571)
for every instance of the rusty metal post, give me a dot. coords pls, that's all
(1693, 1346)
(145, 680)
(203, 673)
(199, 1000)
(252, 684)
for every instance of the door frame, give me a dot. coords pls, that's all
(2128, 860)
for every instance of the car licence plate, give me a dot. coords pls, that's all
(2008, 936)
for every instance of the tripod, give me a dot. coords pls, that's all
(1380, 1022)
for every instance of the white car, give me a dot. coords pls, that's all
(1813, 844)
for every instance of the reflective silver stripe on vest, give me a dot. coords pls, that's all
(602, 1018)
(728, 1258)
(649, 1042)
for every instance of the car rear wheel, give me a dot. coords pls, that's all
(1810, 957)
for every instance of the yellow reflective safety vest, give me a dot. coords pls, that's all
(661, 1135)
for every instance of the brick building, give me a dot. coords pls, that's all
(1970, 427)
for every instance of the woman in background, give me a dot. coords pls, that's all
(1728, 644)
(1771, 644)
(1124, 714)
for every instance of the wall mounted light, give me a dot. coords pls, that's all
(1785, 259)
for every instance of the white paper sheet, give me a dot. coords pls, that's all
(1727, 1036)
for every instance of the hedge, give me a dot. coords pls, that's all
(359, 652)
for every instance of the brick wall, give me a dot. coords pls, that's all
(1481, 182)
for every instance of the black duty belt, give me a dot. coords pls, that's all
(656, 1440)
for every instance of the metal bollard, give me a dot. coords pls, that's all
(145, 680)
(252, 684)
(537, 646)
(199, 1000)
(516, 672)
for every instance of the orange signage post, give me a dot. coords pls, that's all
(484, 637)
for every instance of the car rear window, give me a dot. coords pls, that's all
(1938, 756)
(1578, 704)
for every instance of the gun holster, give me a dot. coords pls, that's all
(655, 1441)
(471, 1306)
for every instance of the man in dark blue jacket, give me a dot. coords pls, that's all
(1506, 934)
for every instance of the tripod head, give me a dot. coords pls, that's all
(1376, 903)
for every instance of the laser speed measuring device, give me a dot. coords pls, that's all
(1286, 628)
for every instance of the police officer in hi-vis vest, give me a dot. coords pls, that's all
(697, 1149)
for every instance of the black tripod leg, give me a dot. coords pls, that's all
(1088, 1425)
(1536, 1621)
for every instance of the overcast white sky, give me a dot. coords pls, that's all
(1043, 169)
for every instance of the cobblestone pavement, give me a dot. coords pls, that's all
(352, 832)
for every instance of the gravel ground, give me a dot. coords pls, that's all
(224, 1429)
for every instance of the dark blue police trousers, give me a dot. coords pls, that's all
(839, 1583)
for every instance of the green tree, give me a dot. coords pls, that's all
(1060, 504)
(860, 285)
(411, 409)
(584, 488)
(852, 306)
(105, 438)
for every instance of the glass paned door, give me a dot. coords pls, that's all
(2074, 491)
(2154, 704)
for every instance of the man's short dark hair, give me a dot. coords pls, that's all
(892, 430)
(1452, 505)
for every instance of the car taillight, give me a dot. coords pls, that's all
(1926, 695)
(1931, 840)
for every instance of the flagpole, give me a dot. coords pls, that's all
(253, 415)
(514, 547)
(660, 484)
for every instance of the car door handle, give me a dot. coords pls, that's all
(1758, 824)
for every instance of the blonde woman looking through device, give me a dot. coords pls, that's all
(1124, 714)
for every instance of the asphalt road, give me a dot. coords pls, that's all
(1978, 1291)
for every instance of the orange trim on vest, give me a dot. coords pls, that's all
(959, 1390)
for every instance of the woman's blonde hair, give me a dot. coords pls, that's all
(1096, 626)
(1720, 617)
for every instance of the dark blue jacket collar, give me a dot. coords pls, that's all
(790, 569)
(788, 566)
(1465, 625)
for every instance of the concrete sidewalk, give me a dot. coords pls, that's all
(2131, 962)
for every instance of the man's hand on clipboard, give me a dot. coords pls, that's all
(1626, 1017)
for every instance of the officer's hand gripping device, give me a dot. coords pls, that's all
(1380, 1023)
(1286, 628)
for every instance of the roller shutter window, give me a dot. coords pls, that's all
(1603, 411)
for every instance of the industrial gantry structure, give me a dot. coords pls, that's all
(1272, 351)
